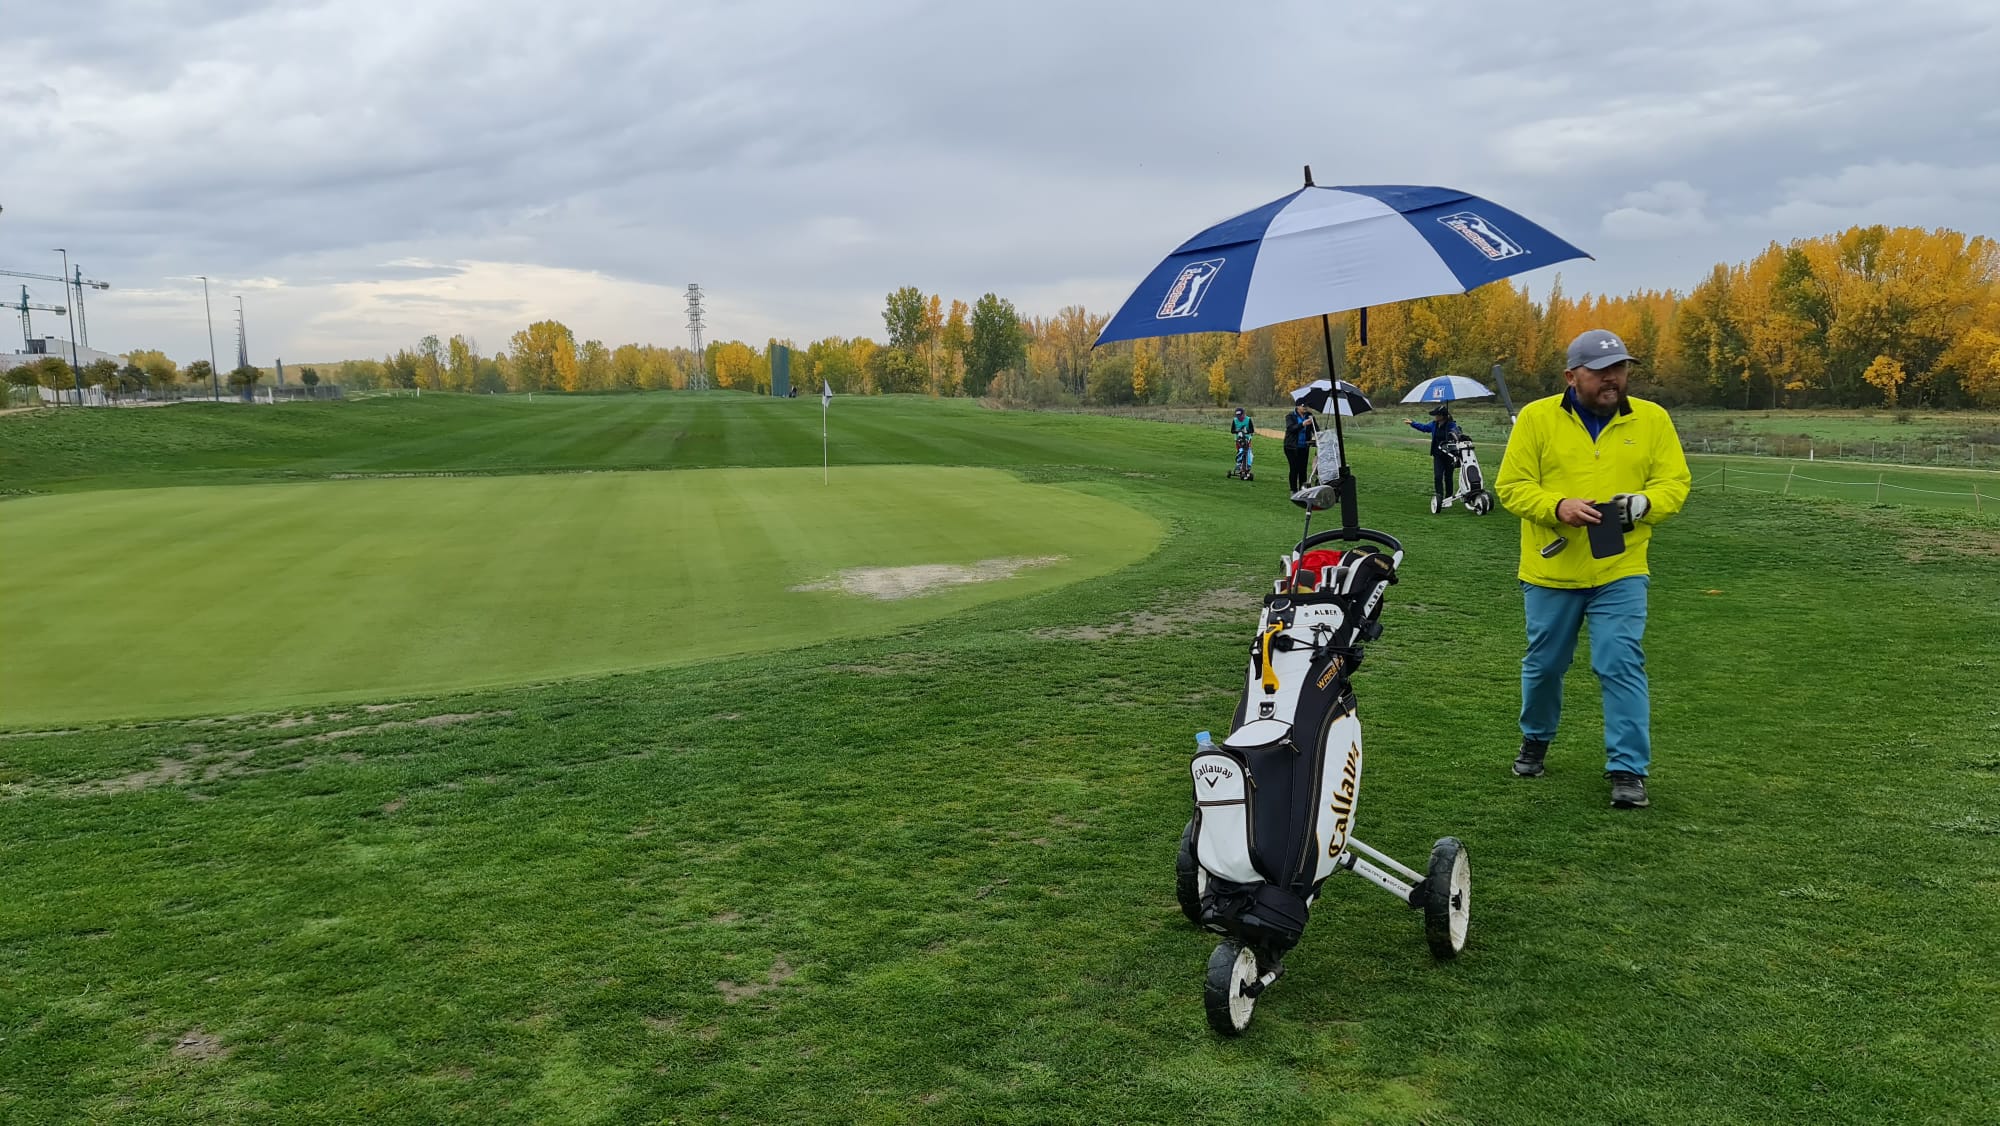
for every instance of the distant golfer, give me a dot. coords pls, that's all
(1592, 443)
(1242, 426)
(1443, 429)
(1298, 440)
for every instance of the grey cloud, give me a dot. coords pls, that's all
(801, 159)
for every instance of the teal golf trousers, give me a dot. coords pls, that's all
(1616, 612)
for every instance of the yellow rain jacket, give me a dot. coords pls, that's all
(1552, 456)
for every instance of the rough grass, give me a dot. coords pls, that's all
(927, 876)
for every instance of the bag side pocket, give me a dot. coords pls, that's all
(1222, 796)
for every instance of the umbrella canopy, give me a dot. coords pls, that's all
(1324, 250)
(1317, 393)
(1447, 389)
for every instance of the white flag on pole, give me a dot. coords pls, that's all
(825, 393)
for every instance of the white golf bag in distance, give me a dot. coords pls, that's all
(1275, 802)
(1472, 488)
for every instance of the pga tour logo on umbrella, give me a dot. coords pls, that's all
(1184, 296)
(1484, 236)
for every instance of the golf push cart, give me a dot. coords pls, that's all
(1472, 490)
(1275, 801)
(1244, 467)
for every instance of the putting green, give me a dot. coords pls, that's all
(164, 602)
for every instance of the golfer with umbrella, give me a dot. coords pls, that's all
(1340, 397)
(1596, 466)
(1443, 429)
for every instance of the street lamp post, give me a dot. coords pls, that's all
(75, 361)
(214, 380)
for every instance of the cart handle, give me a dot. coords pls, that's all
(1384, 539)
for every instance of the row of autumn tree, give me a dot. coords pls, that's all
(1873, 315)
(931, 349)
(1870, 316)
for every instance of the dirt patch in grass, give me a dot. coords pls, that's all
(195, 1044)
(892, 583)
(1214, 606)
(779, 974)
(195, 763)
(198, 766)
(445, 720)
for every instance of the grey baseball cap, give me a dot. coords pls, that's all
(1597, 350)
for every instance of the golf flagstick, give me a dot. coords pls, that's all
(825, 400)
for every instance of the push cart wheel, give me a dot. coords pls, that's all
(1447, 899)
(1231, 969)
(1434, 505)
(1189, 878)
(1482, 504)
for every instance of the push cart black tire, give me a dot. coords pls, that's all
(1189, 879)
(1230, 968)
(1434, 506)
(1447, 899)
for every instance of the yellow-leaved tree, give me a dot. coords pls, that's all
(1145, 370)
(543, 357)
(1887, 376)
(1218, 380)
(462, 362)
(734, 365)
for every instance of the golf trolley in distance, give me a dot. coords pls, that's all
(1275, 802)
(1242, 468)
(1472, 490)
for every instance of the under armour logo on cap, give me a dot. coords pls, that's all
(1597, 350)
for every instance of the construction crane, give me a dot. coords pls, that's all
(27, 326)
(80, 282)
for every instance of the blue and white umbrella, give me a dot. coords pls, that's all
(1447, 389)
(1326, 250)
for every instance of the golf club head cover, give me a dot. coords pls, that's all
(1633, 507)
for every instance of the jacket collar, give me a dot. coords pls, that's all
(1570, 404)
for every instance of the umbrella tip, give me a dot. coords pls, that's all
(1309, 175)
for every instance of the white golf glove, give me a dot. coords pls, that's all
(1635, 506)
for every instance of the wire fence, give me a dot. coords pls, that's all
(1886, 486)
(1928, 452)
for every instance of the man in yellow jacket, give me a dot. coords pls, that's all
(1590, 456)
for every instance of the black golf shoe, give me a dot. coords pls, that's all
(1628, 790)
(1528, 764)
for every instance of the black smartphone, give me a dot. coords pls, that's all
(1607, 537)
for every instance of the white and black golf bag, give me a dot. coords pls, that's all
(1274, 802)
(1471, 481)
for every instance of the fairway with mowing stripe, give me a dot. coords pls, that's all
(282, 595)
(816, 856)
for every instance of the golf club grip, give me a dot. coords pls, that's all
(1318, 538)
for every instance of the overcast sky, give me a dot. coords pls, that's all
(364, 172)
